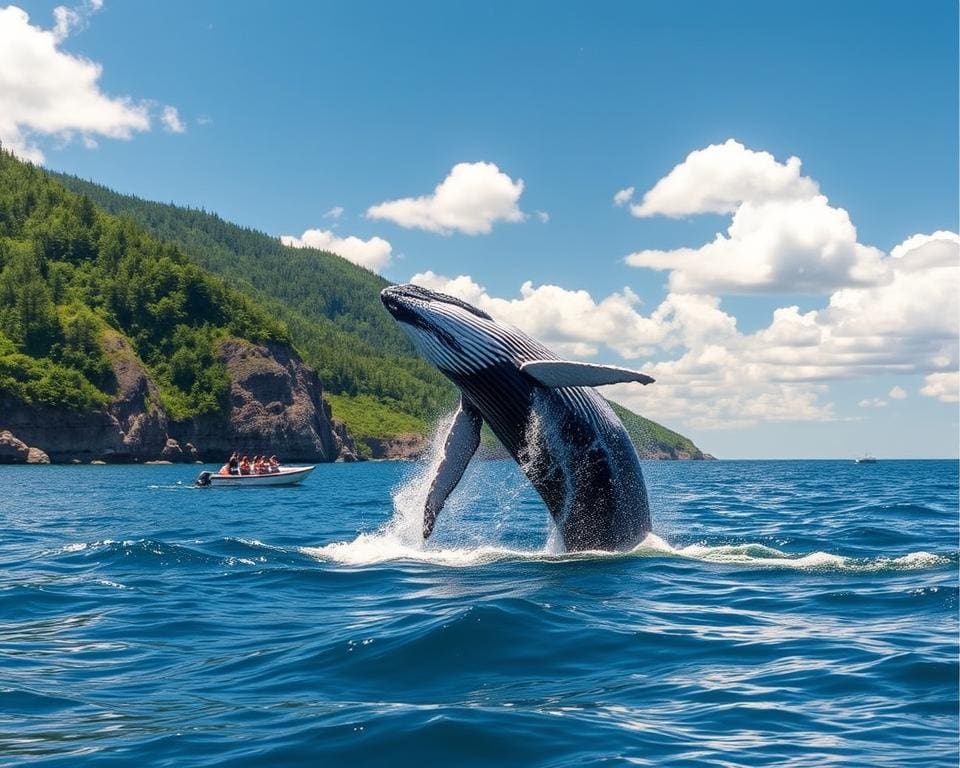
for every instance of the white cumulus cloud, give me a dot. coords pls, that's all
(374, 254)
(67, 20)
(915, 307)
(170, 117)
(795, 246)
(718, 178)
(45, 91)
(623, 197)
(471, 199)
(897, 393)
(943, 386)
(784, 236)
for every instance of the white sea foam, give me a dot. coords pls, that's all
(81, 546)
(113, 584)
(257, 544)
(385, 546)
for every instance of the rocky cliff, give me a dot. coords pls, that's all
(14, 451)
(275, 407)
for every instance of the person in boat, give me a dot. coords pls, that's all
(258, 465)
(233, 465)
(244, 466)
(274, 464)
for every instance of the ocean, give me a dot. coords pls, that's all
(786, 613)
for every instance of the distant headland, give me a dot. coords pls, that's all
(133, 331)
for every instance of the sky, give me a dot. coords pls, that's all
(756, 203)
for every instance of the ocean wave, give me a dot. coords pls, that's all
(162, 553)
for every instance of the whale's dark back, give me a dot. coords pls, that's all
(575, 452)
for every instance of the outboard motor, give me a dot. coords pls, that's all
(203, 479)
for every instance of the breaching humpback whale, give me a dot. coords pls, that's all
(565, 437)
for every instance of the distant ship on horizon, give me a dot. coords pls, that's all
(866, 459)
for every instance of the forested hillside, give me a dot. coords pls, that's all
(654, 441)
(330, 306)
(68, 272)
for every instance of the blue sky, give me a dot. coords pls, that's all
(287, 112)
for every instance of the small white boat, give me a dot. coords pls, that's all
(866, 459)
(284, 476)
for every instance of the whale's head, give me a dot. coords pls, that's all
(453, 335)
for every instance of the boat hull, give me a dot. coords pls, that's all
(288, 476)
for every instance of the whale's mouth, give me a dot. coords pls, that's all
(401, 305)
(413, 307)
(392, 299)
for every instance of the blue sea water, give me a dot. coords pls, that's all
(798, 613)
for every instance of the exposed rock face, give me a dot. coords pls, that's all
(12, 450)
(135, 410)
(15, 451)
(348, 448)
(174, 452)
(411, 446)
(276, 407)
(131, 428)
(36, 456)
(63, 435)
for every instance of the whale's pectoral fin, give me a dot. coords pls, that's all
(563, 373)
(460, 445)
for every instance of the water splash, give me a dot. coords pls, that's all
(402, 536)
